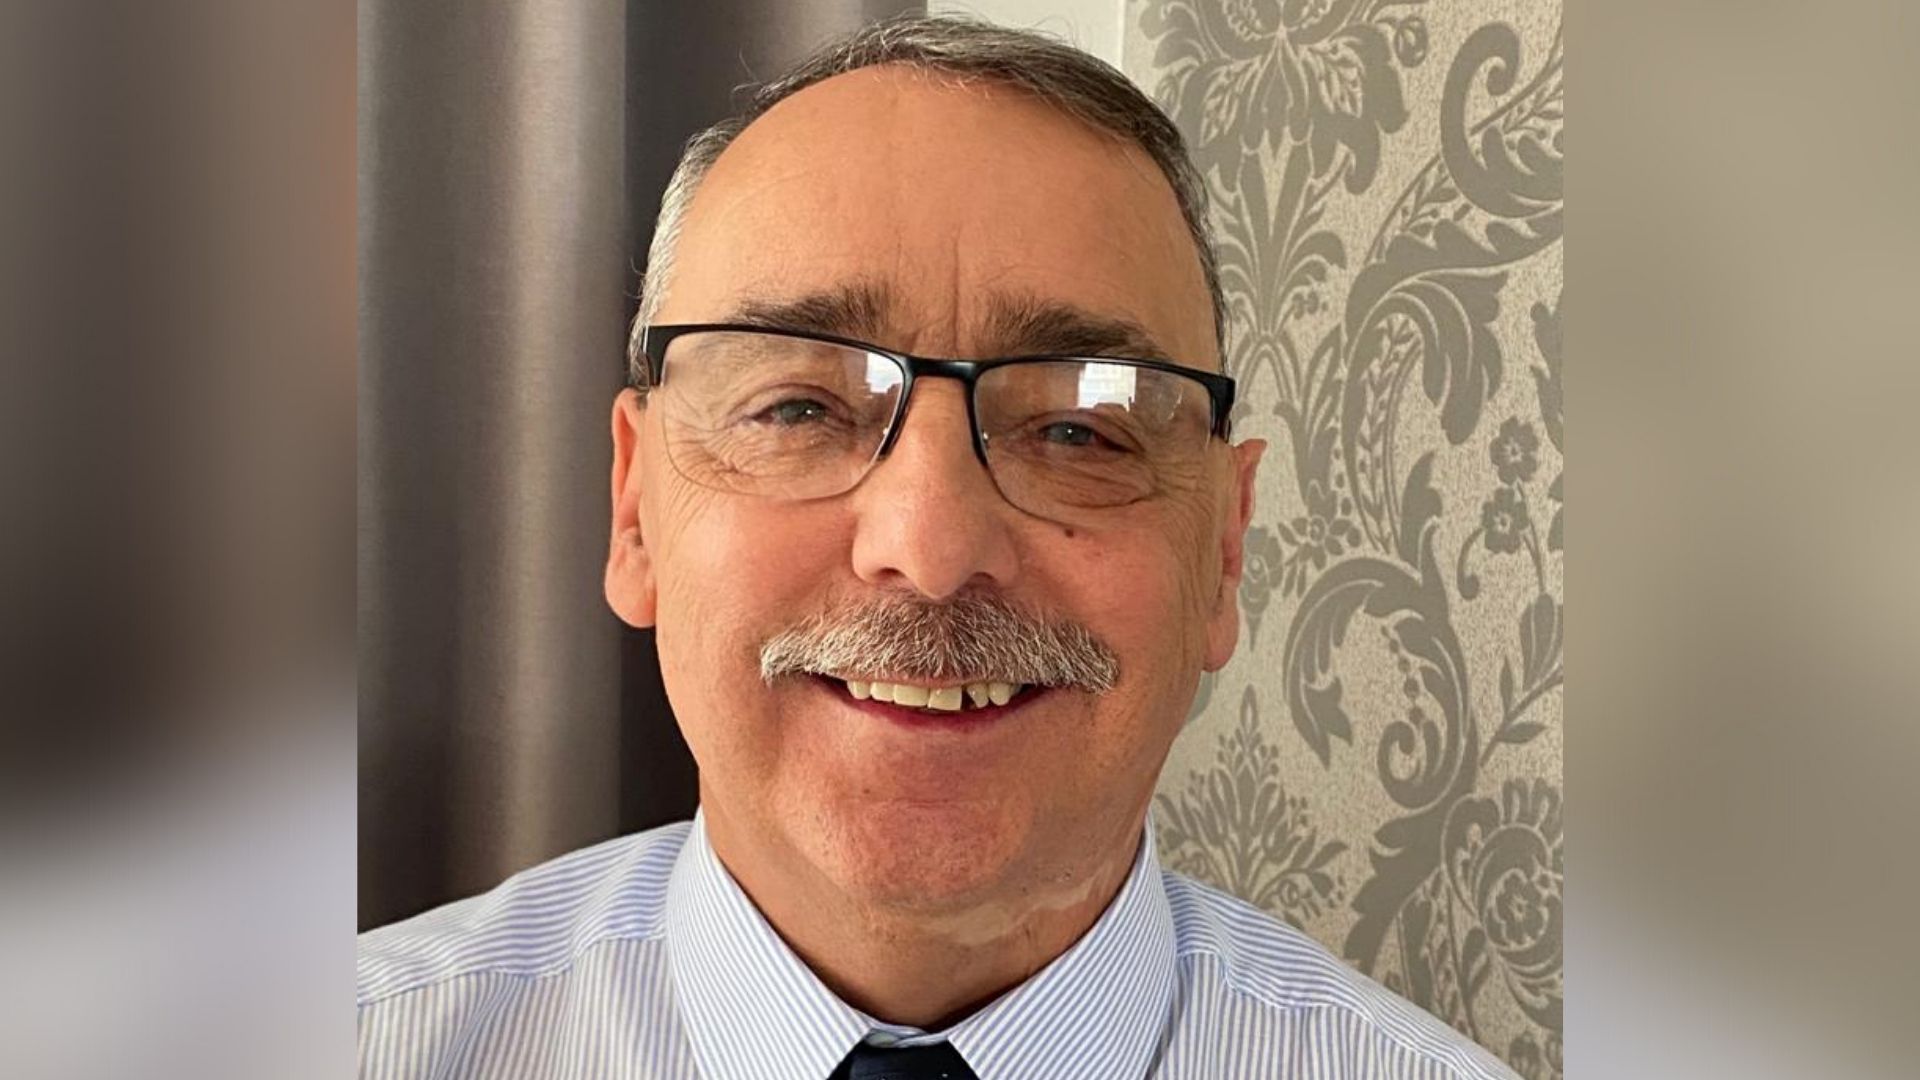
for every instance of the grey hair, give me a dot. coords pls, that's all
(971, 638)
(1060, 75)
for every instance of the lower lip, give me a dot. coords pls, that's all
(967, 719)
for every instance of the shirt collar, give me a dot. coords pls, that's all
(752, 1009)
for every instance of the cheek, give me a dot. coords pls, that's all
(1137, 588)
(1145, 587)
(728, 565)
(731, 572)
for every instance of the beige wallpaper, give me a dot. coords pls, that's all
(1380, 764)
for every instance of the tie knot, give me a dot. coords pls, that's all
(938, 1061)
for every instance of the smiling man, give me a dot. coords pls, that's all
(927, 484)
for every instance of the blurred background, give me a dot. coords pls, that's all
(177, 402)
(180, 392)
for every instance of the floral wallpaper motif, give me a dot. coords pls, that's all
(1380, 764)
(1235, 825)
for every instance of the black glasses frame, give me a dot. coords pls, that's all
(655, 339)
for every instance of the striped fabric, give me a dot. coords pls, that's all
(642, 957)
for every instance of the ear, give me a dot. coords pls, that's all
(1223, 624)
(630, 584)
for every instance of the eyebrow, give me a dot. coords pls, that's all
(1015, 325)
(857, 310)
(1037, 327)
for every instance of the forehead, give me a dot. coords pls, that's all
(948, 199)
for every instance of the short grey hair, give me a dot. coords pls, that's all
(1049, 69)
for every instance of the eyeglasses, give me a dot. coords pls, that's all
(792, 415)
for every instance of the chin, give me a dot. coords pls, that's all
(928, 855)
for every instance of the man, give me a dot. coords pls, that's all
(929, 627)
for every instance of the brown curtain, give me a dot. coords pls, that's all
(511, 161)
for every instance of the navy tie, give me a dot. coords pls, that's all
(940, 1061)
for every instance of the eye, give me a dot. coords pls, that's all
(1068, 433)
(1081, 435)
(793, 412)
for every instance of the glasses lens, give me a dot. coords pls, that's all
(767, 414)
(1081, 434)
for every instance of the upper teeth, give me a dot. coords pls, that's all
(935, 697)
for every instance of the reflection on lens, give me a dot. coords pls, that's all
(1107, 384)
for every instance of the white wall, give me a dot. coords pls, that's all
(1094, 25)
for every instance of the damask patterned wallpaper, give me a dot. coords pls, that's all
(1380, 764)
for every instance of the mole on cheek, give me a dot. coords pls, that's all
(1068, 529)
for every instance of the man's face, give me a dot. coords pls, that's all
(945, 201)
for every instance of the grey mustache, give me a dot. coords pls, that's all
(972, 637)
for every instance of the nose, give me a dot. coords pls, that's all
(929, 516)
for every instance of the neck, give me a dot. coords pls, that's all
(916, 967)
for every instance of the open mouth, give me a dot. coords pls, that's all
(965, 700)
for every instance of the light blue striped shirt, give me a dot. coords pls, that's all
(642, 957)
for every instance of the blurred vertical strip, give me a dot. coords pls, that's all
(176, 520)
(1744, 732)
(177, 405)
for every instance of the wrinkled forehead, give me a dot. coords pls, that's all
(941, 215)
